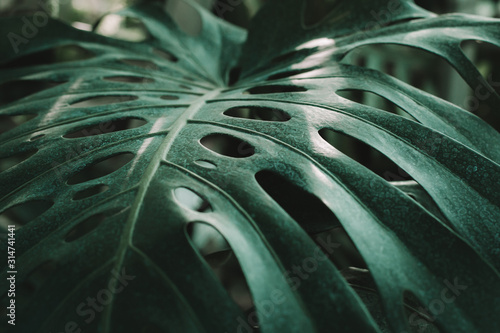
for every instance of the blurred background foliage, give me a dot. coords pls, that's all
(418, 68)
(88, 12)
(238, 12)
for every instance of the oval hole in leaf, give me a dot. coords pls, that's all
(36, 137)
(191, 200)
(206, 164)
(101, 168)
(146, 64)
(412, 195)
(374, 100)
(273, 89)
(339, 248)
(90, 192)
(85, 227)
(13, 160)
(227, 145)
(165, 55)
(170, 97)
(257, 113)
(218, 254)
(54, 55)
(102, 100)
(415, 191)
(485, 57)
(18, 89)
(183, 86)
(365, 155)
(23, 213)
(305, 208)
(129, 79)
(362, 282)
(9, 122)
(107, 127)
(396, 22)
(425, 71)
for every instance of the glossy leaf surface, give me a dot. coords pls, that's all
(134, 146)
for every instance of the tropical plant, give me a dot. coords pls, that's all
(218, 182)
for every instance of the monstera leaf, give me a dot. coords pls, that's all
(203, 182)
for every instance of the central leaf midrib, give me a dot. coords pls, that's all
(146, 179)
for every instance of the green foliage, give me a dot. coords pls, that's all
(122, 145)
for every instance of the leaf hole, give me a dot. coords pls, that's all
(13, 160)
(165, 55)
(218, 254)
(484, 56)
(102, 100)
(129, 79)
(227, 145)
(415, 191)
(421, 69)
(107, 127)
(183, 86)
(206, 164)
(101, 168)
(192, 200)
(362, 282)
(21, 214)
(365, 155)
(86, 226)
(338, 246)
(18, 89)
(309, 211)
(273, 89)
(58, 54)
(437, 7)
(374, 100)
(8, 122)
(90, 192)
(170, 97)
(37, 137)
(257, 113)
(481, 102)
